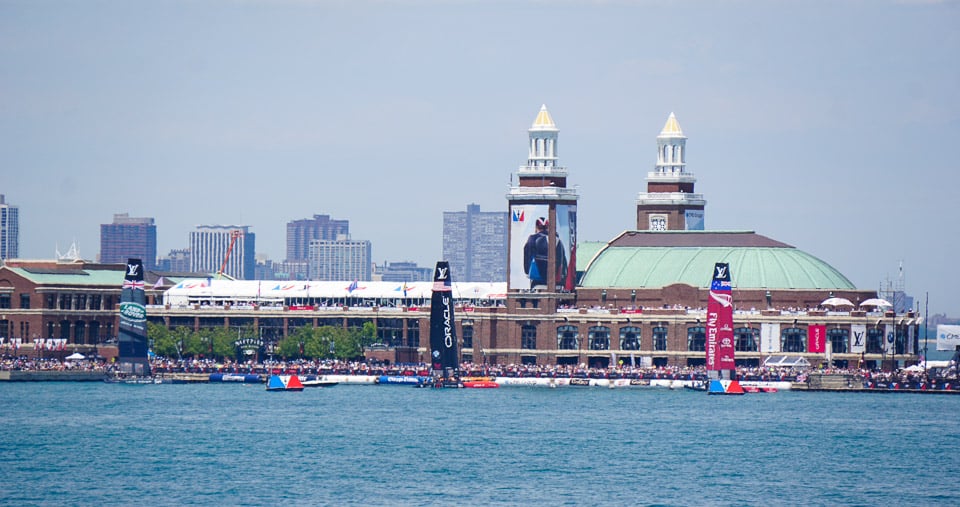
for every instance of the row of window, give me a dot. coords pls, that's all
(746, 339)
(81, 332)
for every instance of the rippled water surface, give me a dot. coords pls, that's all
(225, 444)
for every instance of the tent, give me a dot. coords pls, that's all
(836, 302)
(76, 356)
(878, 302)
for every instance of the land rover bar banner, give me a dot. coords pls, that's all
(132, 356)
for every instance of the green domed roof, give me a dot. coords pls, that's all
(646, 259)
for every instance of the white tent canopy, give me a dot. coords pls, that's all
(876, 302)
(837, 302)
(76, 356)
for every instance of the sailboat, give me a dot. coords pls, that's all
(444, 361)
(721, 367)
(133, 363)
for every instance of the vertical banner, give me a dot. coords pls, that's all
(769, 338)
(888, 339)
(858, 339)
(719, 346)
(566, 247)
(529, 246)
(816, 338)
(910, 340)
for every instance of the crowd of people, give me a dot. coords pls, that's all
(870, 379)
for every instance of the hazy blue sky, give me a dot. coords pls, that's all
(829, 125)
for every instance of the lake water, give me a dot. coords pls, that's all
(226, 444)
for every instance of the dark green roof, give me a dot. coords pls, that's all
(647, 259)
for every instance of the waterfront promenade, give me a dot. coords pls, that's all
(199, 371)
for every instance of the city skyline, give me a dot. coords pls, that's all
(817, 124)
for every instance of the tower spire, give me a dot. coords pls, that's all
(669, 202)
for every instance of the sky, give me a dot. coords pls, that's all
(832, 126)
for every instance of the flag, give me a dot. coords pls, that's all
(404, 289)
(159, 283)
(353, 286)
(133, 284)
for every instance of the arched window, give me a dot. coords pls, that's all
(696, 339)
(838, 340)
(528, 337)
(746, 339)
(467, 337)
(874, 341)
(598, 338)
(567, 338)
(793, 339)
(630, 338)
(660, 338)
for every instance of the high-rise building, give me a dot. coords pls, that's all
(177, 261)
(404, 272)
(475, 244)
(301, 232)
(211, 245)
(340, 259)
(129, 237)
(9, 230)
(669, 204)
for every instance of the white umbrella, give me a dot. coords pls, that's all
(76, 356)
(836, 302)
(876, 302)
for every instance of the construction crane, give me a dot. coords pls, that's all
(234, 234)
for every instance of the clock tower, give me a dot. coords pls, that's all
(669, 203)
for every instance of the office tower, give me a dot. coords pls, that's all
(230, 246)
(129, 237)
(9, 230)
(301, 232)
(475, 244)
(177, 261)
(340, 259)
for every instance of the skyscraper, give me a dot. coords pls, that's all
(340, 259)
(9, 230)
(301, 232)
(475, 244)
(129, 237)
(210, 245)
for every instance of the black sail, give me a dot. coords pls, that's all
(132, 345)
(443, 331)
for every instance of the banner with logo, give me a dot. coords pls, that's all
(888, 339)
(769, 337)
(948, 337)
(816, 338)
(858, 339)
(693, 219)
(529, 226)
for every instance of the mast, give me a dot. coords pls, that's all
(719, 340)
(132, 342)
(443, 331)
